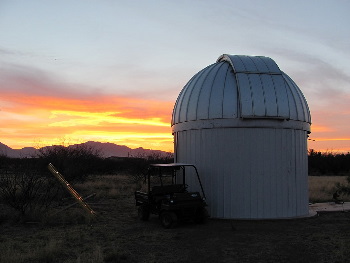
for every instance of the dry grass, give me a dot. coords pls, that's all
(118, 236)
(107, 186)
(42, 252)
(321, 188)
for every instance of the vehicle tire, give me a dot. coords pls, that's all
(168, 219)
(201, 215)
(143, 212)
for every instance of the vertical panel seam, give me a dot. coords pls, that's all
(285, 87)
(263, 90)
(223, 92)
(193, 86)
(274, 88)
(251, 93)
(292, 99)
(220, 64)
(253, 61)
(201, 88)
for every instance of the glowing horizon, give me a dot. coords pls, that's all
(30, 120)
(41, 121)
(38, 120)
(90, 77)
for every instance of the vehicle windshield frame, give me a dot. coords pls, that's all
(175, 167)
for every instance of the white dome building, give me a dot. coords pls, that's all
(244, 124)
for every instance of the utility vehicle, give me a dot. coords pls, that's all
(167, 195)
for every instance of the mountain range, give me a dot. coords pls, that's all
(106, 150)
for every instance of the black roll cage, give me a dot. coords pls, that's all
(174, 167)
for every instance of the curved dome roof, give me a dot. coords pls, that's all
(241, 87)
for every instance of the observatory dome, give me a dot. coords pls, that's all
(244, 123)
(241, 87)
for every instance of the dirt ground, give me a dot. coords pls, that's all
(117, 235)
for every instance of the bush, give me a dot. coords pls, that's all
(26, 187)
(75, 162)
(344, 188)
(328, 163)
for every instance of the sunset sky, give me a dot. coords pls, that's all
(111, 71)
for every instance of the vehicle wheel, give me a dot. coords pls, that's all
(168, 219)
(143, 212)
(201, 215)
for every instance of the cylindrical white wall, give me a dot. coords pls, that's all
(251, 173)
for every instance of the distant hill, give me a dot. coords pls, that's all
(15, 153)
(106, 149)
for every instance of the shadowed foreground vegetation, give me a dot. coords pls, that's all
(27, 186)
(321, 188)
(328, 163)
(40, 230)
(328, 173)
(117, 235)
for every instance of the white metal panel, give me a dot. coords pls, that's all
(194, 92)
(271, 65)
(254, 101)
(217, 92)
(281, 95)
(270, 171)
(269, 95)
(178, 105)
(245, 95)
(227, 182)
(302, 173)
(290, 169)
(237, 173)
(192, 102)
(248, 64)
(261, 65)
(296, 103)
(258, 96)
(300, 101)
(282, 181)
(293, 105)
(237, 63)
(205, 92)
(230, 99)
(182, 107)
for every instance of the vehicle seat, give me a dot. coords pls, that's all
(168, 189)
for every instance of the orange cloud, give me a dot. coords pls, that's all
(315, 128)
(335, 145)
(29, 119)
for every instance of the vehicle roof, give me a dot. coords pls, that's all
(171, 164)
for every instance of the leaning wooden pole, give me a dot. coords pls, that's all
(70, 189)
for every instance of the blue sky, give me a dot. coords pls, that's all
(149, 49)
